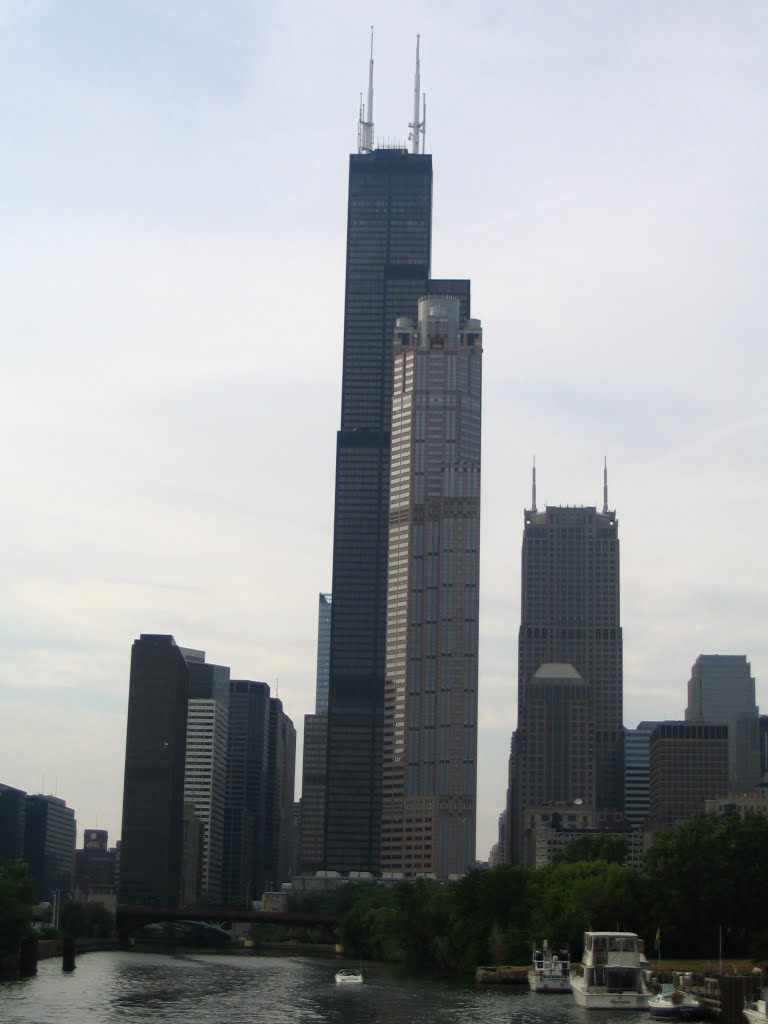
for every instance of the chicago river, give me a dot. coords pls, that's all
(199, 989)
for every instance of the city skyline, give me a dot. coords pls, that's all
(174, 261)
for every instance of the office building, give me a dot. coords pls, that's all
(95, 865)
(721, 689)
(50, 833)
(205, 774)
(637, 773)
(12, 819)
(324, 605)
(570, 615)
(246, 791)
(689, 765)
(279, 831)
(311, 828)
(430, 711)
(389, 222)
(153, 791)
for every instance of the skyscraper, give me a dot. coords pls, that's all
(312, 823)
(153, 791)
(279, 831)
(389, 222)
(688, 765)
(50, 833)
(246, 793)
(430, 711)
(570, 614)
(206, 763)
(722, 689)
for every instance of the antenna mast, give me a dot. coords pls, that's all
(533, 488)
(605, 485)
(417, 126)
(365, 125)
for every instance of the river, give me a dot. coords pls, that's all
(138, 988)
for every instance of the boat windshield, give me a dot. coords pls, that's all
(614, 943)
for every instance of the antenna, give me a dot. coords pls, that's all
(365, 124)
(533, 489)
(416, 125)
(605, 485)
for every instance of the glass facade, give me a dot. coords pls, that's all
(246, 790)
(388, 255)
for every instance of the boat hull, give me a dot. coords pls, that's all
(755, 1013)
(541, 983)
(605, 999)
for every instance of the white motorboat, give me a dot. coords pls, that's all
(671, 1003)
(755, 1012)
(549, 971)
(349, 976)
(610, 975)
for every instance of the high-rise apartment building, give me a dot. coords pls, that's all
(570, 615)
(389, 222)
(430, 711)
(153, 791)
(722, 689)
(206, 764)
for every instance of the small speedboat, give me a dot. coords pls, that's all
(349, 976)
(672, 1003)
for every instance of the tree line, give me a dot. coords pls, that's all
(703, 886)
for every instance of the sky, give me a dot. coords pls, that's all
(173, 179)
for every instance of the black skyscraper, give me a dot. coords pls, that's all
(153, 794)
(246, 790)
(389, 224)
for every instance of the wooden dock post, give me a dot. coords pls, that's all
(733, 991)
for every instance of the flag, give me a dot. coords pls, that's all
(657, 940)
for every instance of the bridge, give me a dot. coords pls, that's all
(129, 918)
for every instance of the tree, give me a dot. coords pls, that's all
(17, 897)
(709, 874)
(612, 849)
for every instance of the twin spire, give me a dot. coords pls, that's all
(605, 486)
(365, 140)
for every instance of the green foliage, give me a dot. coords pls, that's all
(594, 847)
(85, 920)
(17, 896)
(704, 874)
(571, 898)
(711, 873)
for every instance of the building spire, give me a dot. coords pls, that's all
(417, 126)
(365, 122)
(605, 485)
(533, 487)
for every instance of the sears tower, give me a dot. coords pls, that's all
(389, 226)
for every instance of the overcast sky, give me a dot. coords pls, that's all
(173, 179)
